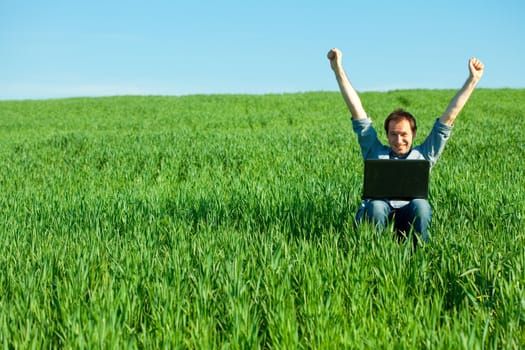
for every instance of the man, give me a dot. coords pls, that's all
(400, 127)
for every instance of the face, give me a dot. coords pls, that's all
(400, 136)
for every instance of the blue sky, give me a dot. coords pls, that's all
(53, 48)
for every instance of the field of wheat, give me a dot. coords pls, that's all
(227, 221)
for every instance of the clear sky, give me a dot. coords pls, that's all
(64, 48)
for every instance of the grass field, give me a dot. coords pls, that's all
(226, 221)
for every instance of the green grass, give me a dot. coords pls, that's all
(226, 221)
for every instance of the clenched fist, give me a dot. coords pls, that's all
(476, 68)
(335, 56)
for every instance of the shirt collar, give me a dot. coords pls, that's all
(392, 155)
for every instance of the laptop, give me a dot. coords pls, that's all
(405, 179)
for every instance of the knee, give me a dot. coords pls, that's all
(376, 206)
(377, 210)
(421, 209)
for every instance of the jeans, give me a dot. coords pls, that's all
(417, 215)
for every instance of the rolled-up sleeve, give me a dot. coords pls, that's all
(433, 145)
(366, 136)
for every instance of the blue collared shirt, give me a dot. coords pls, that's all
(372, 148)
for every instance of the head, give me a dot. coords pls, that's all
(400, 127)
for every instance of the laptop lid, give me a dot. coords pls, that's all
(396, 179)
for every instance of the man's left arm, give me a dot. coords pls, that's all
(476, 68)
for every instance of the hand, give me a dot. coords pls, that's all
(476, 68)
(335, 56)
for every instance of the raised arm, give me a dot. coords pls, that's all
(455, 106)
(349, 94)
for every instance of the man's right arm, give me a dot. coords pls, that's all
(347, 90)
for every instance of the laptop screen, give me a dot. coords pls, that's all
(396, 179)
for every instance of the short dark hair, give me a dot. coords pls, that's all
(398, 115)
